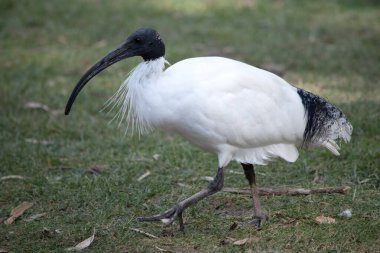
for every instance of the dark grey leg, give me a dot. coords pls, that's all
(259, 216)
(171, 214)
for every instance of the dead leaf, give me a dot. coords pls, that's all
(156, 157)
(97, 169)
(143, 176)
(144, 233)
(324, 220)
(82, 245)
(233, 226)
(36, 105)
(3, 251)
(245, 240)
(227, 240)
(240, 242)
(11, 177)
(35, 217)
(290, 221)
(18, 211)
(366, 180)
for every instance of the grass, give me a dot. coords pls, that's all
(328, 47)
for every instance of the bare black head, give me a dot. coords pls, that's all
(144, 42)
(147, 43)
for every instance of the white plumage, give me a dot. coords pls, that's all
(226, 107)
(229, 108)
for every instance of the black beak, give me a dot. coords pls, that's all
(112, 57)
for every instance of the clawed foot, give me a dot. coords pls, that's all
(170, 215)
(167, 217)
(259, 220)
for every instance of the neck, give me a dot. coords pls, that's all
(130, 96)
(146, 71)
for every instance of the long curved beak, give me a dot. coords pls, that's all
(112, 57)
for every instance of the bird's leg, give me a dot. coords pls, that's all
(169, 215)
(259, 216)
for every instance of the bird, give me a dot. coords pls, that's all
(229, 108)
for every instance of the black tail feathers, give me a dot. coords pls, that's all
(325, 122)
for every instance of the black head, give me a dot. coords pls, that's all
(144, 42)
(147, 43)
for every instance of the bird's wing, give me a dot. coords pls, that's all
(229, 102)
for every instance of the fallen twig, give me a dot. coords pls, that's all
(11, 177)
(290, 191)
(42, 142)
(144, 233)
(143, 176)
(164, 250)
(36, 105)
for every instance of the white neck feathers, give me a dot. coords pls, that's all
(129, 98)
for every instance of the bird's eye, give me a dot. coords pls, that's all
(138, 40)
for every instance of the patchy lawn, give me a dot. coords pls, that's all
(82, 171)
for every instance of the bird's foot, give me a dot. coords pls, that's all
(176, 211)
(259, 220)
(167, 217)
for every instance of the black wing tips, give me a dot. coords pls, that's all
(324, 121)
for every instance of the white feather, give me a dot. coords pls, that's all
(232, 109)
(130, 111)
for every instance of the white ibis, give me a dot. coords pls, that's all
(223, 106)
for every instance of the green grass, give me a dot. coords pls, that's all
(328, 47)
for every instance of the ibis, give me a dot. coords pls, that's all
(234, 110)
